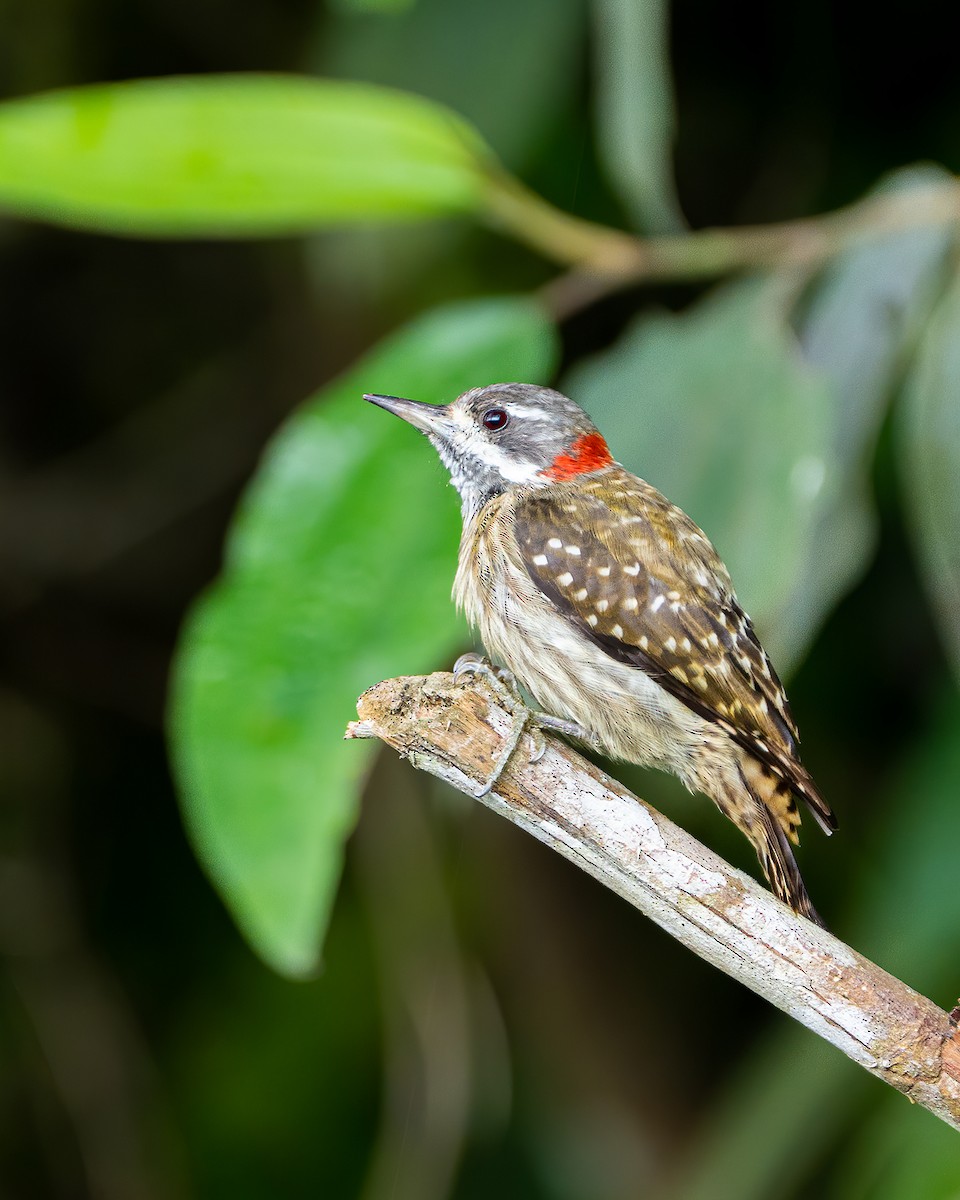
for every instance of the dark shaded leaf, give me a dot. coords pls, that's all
(930, 440)
(860, 320)
(635, 118)
(505, 67)
(905, 915)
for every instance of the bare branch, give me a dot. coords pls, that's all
(455, 730)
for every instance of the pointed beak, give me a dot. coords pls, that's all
(428, 418)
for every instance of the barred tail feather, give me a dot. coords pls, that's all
(801, 783)
(762, 805)
(780, 867)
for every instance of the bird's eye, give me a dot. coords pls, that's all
(495, 418)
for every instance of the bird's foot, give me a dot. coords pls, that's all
(526, 719)
(504, 683)
(570, 729)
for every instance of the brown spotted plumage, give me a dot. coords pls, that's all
(615, 612)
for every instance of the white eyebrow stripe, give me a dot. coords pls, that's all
(525, 411)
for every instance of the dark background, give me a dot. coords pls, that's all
(144, 1050)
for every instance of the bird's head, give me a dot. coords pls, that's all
(496, 437)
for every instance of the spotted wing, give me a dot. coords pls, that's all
(636, 575)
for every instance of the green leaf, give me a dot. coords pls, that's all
(233, 155)
(338, 574)
(859, 321)
(635, 118)
(930, 441)
(716, 408)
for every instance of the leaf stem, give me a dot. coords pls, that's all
(521, 213)
(604, 259)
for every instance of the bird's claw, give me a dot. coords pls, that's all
(539, 742)
(526, 719)
(504, 682)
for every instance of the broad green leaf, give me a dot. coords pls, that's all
(716, 408)
(338, 574)
(859, 321)
(930, 441)
(635, 118)
(233, 155)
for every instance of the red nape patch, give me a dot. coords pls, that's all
(588, 453)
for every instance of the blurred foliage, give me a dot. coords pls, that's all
(635, 120)
(931, 463)
(242, 155)
(486, 1021)
(857, 327)
(518, 74)
(304, 615)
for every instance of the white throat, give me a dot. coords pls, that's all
(478, 468)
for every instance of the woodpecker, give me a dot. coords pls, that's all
(614, 611)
